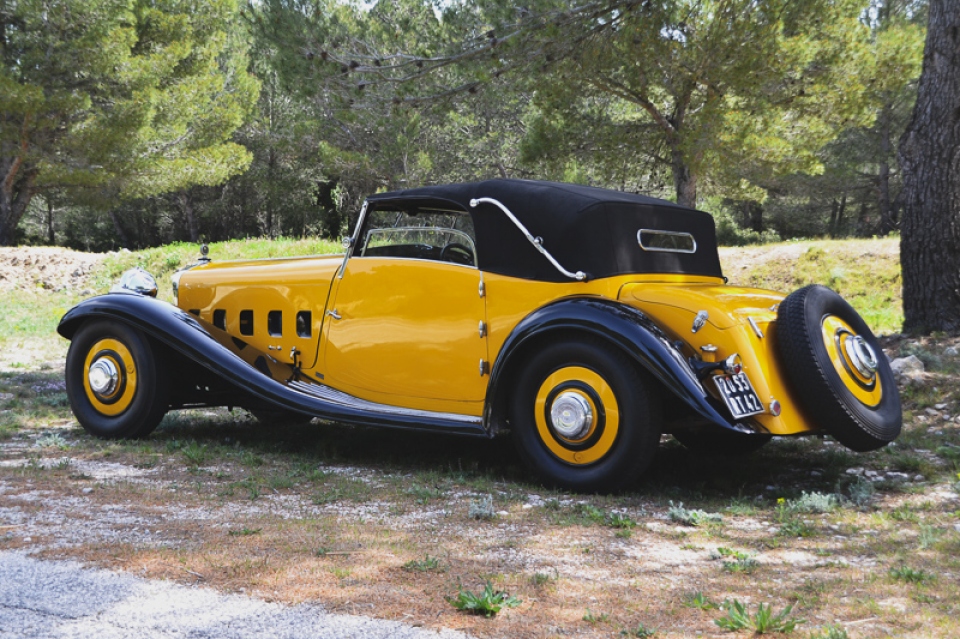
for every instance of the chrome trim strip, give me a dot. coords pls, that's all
(654, 249)
(353, 239)
(755, 327)
(537, 242)
(334, 396)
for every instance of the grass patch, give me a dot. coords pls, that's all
(762, 621)
(427, 564)
(865, 272)
(487, 602)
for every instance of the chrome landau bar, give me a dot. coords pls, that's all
(537, 242)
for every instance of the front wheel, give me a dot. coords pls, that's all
(583, 417)
(836, 367)
(116, 386)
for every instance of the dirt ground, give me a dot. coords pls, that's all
(394, 525)
(48, 268)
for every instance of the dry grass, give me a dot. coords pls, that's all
(347, 517)
(332, 514)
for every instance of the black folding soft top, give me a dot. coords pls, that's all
(585, 228)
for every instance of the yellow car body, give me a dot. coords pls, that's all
(448, 313)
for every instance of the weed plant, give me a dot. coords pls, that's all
(700, 601)
(911, 575)
(761, 622)
(641, 631)
(689, 517)
(482, 508)
(427, 564)
(591, 617)
(488, 602)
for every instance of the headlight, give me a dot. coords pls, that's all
(136, 280)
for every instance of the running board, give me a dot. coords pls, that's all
(339, 398)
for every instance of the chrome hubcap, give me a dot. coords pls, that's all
(103, 376)
(861, 356)
(571, 415)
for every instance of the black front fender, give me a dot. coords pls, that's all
(184, 334)
(623, 326)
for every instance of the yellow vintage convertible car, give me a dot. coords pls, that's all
(584, 322)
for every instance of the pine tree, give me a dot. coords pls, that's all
(108, 99)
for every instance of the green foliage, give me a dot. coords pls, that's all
(689, 517)
(641, 631)
(737, 561)
(487, 602)
(700, 601)
(814, 502)
(427, 564)
(830, 632)
(482, 508)
(857, 490)
(591, 617)
(871, 284)
(115, 98)
(195, 453)
(761, 622)
(911, 575)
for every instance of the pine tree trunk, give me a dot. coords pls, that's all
(684, 180)
(930, 161)
(51, 236)
(186, 205)
(16, 191)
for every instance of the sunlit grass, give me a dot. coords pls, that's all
(866, 273)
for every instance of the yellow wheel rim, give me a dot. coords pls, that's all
(114, 398)
(583, 387)
(840, 341)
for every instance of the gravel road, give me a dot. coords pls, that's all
(61, 599)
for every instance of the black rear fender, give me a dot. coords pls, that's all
(624, 327)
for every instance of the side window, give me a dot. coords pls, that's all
(443, 236)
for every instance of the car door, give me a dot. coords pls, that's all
(408, 315)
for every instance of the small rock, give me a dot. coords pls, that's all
(895, 476)
(908, 369)
(855, 471)
(502, 513)
(940, 406)
(816, 473)
(28, 539)
(918, 477)
(527, 506)
(951, 351)
(87, 490)
(931, 412)
(870, 474)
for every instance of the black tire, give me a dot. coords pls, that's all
(723, 442)
(142, 392)
(624, 433)
(832, 398)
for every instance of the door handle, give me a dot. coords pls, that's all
(334, 314)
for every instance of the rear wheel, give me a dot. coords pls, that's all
(116, 386)
(837, 368)
(583, 418)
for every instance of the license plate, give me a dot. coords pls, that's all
(738, 394)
